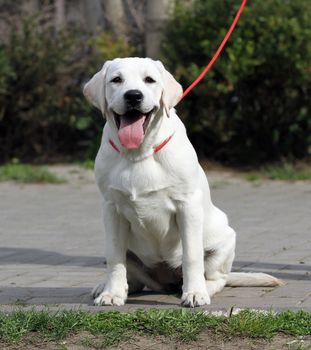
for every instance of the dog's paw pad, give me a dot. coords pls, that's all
(194, 299)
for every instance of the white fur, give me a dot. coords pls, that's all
(157, 205)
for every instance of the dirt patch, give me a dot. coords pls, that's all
(208, 340)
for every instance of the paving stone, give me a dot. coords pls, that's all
(254, 292)
(84, 299)
(306, 304)
(52, 244)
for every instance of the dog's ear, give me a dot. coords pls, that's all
(172, 90)
(94, 89)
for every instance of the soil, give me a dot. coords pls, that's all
(207, 340)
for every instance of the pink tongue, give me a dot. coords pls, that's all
(131, 133)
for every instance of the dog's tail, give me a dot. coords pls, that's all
(248, 279)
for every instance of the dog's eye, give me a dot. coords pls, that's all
(116, 80)
(149, 80)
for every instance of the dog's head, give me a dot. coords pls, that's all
(130, 92)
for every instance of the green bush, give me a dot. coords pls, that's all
(254, 105)
(43, 112)
(5, 74)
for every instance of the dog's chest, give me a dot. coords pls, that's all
(152, 211)
(138, 178)
(143, 194)
(153, 229)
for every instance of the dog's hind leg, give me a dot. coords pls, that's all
(137, 277)
(98, 289)
(217, 265)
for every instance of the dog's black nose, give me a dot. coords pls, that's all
(133, 97)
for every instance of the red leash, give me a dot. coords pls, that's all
(221, 46)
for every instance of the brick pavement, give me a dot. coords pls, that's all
(51, 243)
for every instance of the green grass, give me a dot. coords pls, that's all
(88, 164)
(26, 173)
(284, 172)
(182, 325)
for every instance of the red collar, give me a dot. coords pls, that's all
(155, 150)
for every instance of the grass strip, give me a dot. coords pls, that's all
(283, 172)
(25, 173)
(182, 325)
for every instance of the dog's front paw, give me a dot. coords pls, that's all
(193, 299)
(103, 295)
(106, 298)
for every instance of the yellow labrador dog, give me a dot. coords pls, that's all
(161, 229)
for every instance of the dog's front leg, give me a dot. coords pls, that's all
(115, 288)
(190, 224)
